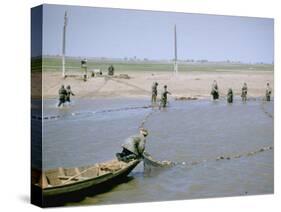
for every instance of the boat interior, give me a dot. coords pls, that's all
(62, 176)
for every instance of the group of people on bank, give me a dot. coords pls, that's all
(64, 95)
(84, 67)
(244, 92)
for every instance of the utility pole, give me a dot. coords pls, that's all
(176, 57)
(63, 44)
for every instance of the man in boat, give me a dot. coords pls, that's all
(215, 90)
(68, 93)
(230, 96)
(154, 93)
(164, 97)
(62, 95)
(268, 92)
(244, 92)
(133, 147)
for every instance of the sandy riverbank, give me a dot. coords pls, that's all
(188, 84)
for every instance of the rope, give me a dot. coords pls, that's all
(130, 85)
(56, 117)
(88, 94)
(227, 157)
(264, 110)
(146, 118)
(167, 164)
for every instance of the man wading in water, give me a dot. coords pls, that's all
(268, 92)
(68, 93)
(62, 95)
(154, 93)
(134, 147)
(244, 92)
(230, 96)
(215, 90)
(164, 97)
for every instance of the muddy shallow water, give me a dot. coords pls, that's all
(91, 131)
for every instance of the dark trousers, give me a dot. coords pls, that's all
(126, 155)
(268, 98)
(153, 98)
(215, 95)
(67, 99)
(229, 99)
(163, 102)
(62, 100)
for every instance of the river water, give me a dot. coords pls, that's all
(91, 131)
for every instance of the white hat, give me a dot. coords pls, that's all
(144, 131)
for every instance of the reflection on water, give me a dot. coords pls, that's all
(186, 131)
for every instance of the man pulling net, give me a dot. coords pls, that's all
(133, 147)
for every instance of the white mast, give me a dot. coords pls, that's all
(63, 44)
(176, 57)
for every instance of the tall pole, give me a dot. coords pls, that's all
(176, 57)
(63, 44)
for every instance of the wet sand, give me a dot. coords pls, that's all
(188, 84)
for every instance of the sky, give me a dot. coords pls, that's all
(120, 33)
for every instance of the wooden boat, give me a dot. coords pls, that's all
(65, 181)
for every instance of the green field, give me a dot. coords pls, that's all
(73, 64)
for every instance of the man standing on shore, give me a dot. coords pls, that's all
(244, 92)
(154, 93)
(268, 92)
(164, 97)
(110, 70)
(62, 95)
(215, 90)
(84, 67)
(133, 147)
